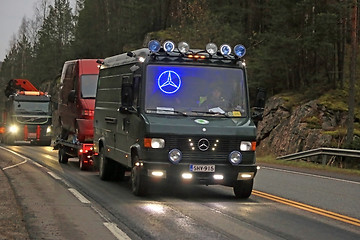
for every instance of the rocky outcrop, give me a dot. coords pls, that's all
(283, 131)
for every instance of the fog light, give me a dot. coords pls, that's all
(225, 49)
(157, 173)
(218, 177)
(235, 157)
(186, 176)
(245, 176)
(211, 48)
(175, 156)
(183, 47)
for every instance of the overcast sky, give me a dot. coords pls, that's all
(11, 14)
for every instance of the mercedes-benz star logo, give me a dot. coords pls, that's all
(169, 82)
(203, 144)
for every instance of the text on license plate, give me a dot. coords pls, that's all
(31, 135)
(202, 168)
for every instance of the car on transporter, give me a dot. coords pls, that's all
(152, 118)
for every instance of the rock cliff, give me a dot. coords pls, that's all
(285, 130)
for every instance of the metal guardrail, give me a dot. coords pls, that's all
(321, 151)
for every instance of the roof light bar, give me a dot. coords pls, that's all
(211, 48)
(225, 49)
(183, 47)
(169, 46)
(154, 46)
(239, 50)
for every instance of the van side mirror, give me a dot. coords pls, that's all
(258, 108)
(72, 96)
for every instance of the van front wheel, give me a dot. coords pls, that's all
(138, 183)
(243, 188)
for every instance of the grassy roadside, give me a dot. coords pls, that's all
(305, 165)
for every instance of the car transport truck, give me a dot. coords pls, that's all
(75, 113)
(154, 117)
(27, 114)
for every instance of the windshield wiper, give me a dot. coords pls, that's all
(212, 113)
(167, 110)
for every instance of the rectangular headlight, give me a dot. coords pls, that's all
(154, 143)
(247, 146)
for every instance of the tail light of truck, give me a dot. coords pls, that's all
(87, 112)
(86, 148)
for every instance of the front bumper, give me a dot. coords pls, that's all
(223, 174)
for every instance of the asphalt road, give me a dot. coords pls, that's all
(284, 205)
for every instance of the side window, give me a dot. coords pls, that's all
(126, 90)
(136, 89)
(67, 82)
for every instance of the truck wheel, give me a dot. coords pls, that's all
(106, 168)
(63, 157)
(138, 183)
(243, 189)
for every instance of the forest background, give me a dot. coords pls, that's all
(301, 47)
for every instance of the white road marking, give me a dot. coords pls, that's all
(311, 175)
(15, 165)
(54, 175)
(79, 195)
(116, 231)
(112, 227)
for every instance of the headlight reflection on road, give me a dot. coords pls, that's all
(154, 208)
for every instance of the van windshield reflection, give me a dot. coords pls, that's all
(195, 91)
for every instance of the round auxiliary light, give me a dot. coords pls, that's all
(211, 48)
(225, 49)
(169, 46)
(183, 47)
(154, 46)
(175, 156)
(235, 157)
(239, 50)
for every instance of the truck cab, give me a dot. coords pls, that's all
(155, 116)
(27, 114)
(77, 98)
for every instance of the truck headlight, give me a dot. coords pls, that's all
(175, 156)
(13, 129)
(235, 157)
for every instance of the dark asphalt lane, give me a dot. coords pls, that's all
(200, 212)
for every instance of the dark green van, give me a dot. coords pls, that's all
(176, 114)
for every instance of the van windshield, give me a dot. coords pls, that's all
(195, 90)
(88, 85)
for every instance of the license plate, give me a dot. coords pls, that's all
(31, 135)
(202, 168)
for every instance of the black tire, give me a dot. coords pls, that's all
(82, 166)
(242, 189)
(63, 157)
(106, 167)
(138, 181)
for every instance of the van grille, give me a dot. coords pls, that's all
(218, 151)
(191, 144)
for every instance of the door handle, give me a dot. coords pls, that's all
(110, 120)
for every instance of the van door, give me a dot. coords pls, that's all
(127, 117)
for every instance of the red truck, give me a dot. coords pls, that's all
(27, 114)
(76, 111)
